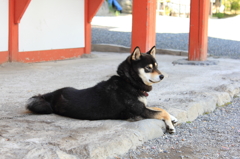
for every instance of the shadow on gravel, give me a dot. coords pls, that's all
(177, 41)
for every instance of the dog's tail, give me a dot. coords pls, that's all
(40, 104)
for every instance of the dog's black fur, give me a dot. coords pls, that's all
(116, 98)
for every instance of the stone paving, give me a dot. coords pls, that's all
(186, 92)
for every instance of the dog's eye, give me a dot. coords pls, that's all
(148, 68)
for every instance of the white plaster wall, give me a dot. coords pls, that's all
(3, 25)
(52, 24)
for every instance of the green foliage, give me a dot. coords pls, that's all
(188, 122)
(219, 15)
(224, 105)
(223, 15)
(235, 5)
(231, 5)
(206, 113)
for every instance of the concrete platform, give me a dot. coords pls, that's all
(187, 92)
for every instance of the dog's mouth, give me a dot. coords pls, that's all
(154, 81)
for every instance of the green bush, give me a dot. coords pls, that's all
(219, 15)
(235, 5)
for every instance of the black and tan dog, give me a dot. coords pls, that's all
(120, 97)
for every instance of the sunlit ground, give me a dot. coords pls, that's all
(227, 28)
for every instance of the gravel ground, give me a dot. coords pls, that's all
(178, 41)
(210, 136)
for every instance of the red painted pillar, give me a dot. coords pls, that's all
(16, 11)
(13, 33)
(88, 35)
(91, 8)
(198, 36)
(144, 24)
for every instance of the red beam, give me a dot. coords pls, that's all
(49, 55)
(20, 7)
(144, 24)
(93, 6)
(4, 56)
(198, 36)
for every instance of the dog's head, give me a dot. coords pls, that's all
(141, 69)
(146, 66)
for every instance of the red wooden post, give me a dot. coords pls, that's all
(198, 36)
(91, 8)
(144, 24)
(16, 11)
(13, 32)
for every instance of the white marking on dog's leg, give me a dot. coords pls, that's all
(143, 100)
(170, 126)
(164, 115)
(173, 119)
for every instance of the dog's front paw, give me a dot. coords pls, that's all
(170, 129)
(173, 119)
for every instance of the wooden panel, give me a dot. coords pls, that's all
(16, 13)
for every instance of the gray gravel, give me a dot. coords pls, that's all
(177, 41)
(210, 136)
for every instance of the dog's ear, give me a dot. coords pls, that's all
(152, 51)
(136, 54)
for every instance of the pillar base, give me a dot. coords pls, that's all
(199, 63)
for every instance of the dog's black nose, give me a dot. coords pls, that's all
(161, 77)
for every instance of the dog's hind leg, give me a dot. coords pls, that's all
(164, 115)
(38, 104)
